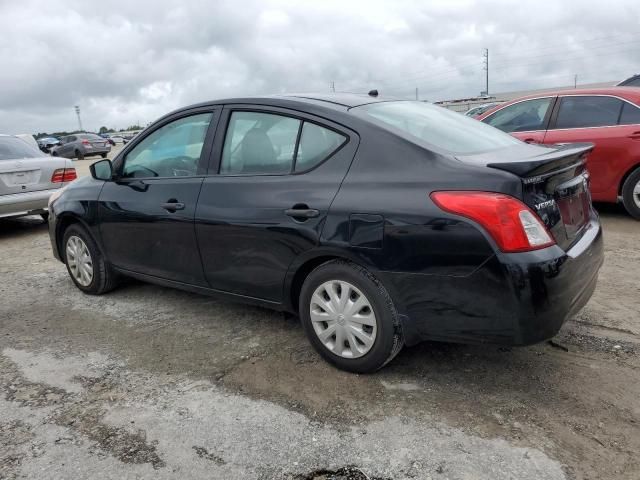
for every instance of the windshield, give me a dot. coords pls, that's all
(12, 148)
(442, 128)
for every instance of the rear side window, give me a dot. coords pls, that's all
(258, 143)
(316, 144)
(630, 114)
(584, 112)
(523, 116)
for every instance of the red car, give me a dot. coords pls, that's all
(607, 117)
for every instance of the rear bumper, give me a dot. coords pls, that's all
(27, 203)
(512, 299)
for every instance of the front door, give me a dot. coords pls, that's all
(147, 213)
(526, 120)
(278, 173)
(610, 124)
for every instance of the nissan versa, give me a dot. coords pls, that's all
(380, 222)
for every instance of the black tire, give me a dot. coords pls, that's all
(54, 154)
(388, 341)
(104, 278)
(45, 216)
(79, 155)
(103, 155)
(628, 197)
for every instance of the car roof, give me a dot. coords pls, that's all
(629, 93)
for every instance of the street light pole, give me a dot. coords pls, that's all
(77, 108)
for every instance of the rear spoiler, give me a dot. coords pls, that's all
(559, 157)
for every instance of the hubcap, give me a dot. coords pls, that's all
(343, 319)
(636, 194)
(79, 261)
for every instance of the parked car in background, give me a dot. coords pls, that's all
(116, 139)
(380, 222)
(633, 81)
(81, 145)
(607, 117)
(28, 178)
(479, 110)
(47, 143)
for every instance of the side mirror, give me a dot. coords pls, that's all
(102, 170)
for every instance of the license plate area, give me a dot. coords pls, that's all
(573, 201)
(25, 177)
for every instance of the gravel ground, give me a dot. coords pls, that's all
(148, 382)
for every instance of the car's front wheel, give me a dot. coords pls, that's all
(349, 317)
(79, 155)
(631, 194)
(85, 263)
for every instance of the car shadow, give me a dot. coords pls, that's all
(22, 226)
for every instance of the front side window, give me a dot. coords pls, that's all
(584, 112)
(630, 115)
(525, 116)
(442, 128)
(171, 151)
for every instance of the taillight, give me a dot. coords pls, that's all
(62, 175)
(85, 142)
(513, 226)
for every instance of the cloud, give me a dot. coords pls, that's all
(126, 62)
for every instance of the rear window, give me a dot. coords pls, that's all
(630, 115)
(90, 136)
(444, 129)
(12, 148)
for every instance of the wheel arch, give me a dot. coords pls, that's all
(64, 221)
(626, 175)
(299, 271)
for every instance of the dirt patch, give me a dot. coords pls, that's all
(344, 473)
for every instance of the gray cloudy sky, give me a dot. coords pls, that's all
(131, 61)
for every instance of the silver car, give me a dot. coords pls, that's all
(28, 178)
(80, 145)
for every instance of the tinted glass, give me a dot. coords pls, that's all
(442, 128)
(90, 136)
(632, 82)
(521, 117)
(171, 151)
(259, 143)
(582, 112)
(630, 115)
(12, 148)
(316, 144)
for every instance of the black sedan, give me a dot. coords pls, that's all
(380, 222)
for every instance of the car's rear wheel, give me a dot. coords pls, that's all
(45, 216)
(79, 155)
(631, 194)
(349, 317)
(103, 155)
(85, 263)
(54, 154)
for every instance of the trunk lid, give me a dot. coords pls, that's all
(28, 174)
(555, 185)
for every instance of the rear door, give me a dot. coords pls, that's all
(611, 124)
(275, 174)
(146, 215)
(526, 120)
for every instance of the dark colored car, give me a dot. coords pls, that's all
(607, 117)
(633, 81)
(382, 223)
(47, 144)
(81, 145)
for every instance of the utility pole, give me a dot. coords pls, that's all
(77, 108)
(575, 81)
(333, 86)
(416, 93)
(486, 71)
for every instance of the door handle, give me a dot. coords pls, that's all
(635, 136)
(172, 206)
(302, 213)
